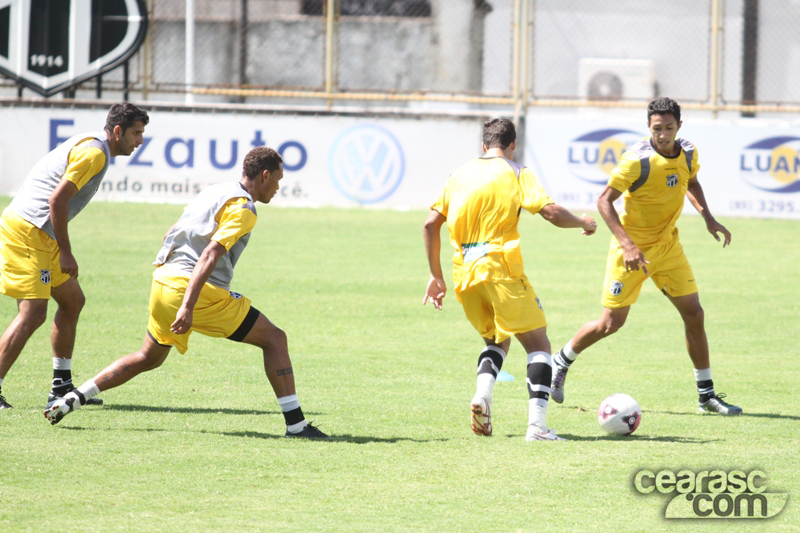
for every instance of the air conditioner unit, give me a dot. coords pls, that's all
(616, 79)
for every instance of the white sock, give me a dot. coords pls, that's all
(297, 428)
(89, 389)
(62, 364)
(537, 414)
(484, 387)
(291, 403)
(485, 381)
(288, 403)
(568, 352)
(702, 375)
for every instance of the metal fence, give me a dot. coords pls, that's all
(430, 54)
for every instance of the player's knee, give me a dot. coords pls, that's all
(611, 326)
(274, 338)
(149, 362)
(74, 305)
(33, 317)
(278, 337)
(694, 317)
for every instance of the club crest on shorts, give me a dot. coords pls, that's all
(235, 295)
(44, 276)
(672, 180)
(616, 288)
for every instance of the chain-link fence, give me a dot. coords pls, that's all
(711, 53)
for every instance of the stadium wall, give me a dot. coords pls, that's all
(749, 167)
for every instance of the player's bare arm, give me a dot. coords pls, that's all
(200, 274)
(561, 217)
(59, 202)
(632, 255)
(433, 243)
(695, 194)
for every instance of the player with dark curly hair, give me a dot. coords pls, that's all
(191, 292)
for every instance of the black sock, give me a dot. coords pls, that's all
(539, 376)
(294, 416)
(62, 382)
(490, 362)
(705, 389)
(562, 360)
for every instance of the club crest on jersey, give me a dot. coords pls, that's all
(44, 276)
(235, 295)
(49, 46)
(616, 288)
(672, 180)
(539, 304)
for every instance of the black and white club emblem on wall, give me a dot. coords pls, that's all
(52, 45)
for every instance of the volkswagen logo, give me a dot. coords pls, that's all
(366, 163)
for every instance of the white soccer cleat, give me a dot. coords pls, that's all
(62, 407)
(537, 433)
(481, 416)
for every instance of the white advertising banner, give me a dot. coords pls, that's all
(328, 160)
(748, 167)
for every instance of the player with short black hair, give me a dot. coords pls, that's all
(125, 115)
(36, 260)
(664, 106)
(481, 203)
(499, 133)
(653, 178)
(191, 292)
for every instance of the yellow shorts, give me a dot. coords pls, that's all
(218, 312)
(500, 309)
(29, 259)
(668, 268)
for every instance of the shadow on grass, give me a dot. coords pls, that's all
(352, 439)
(693, 413)
(712, 415)
(194, 410)
(629, 438)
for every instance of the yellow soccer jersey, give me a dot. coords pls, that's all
(653, 187)
(85, 162)
(482, 202)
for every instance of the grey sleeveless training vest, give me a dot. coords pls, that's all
(32, 202)
(187, 239)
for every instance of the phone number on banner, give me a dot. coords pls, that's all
(766, 206)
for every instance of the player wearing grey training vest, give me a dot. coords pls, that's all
(36, 260)
(187, 239)
(190, 292)
(32, 202)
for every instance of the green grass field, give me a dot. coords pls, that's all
(197, 445)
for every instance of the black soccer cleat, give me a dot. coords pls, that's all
(52, 397)
(308, 432)
(3, 403)
(716, 405)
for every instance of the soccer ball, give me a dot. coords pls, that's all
(619, 414)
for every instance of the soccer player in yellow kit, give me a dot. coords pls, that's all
(191, 292)
(653, 177)
(36, 261)
(481, 204)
